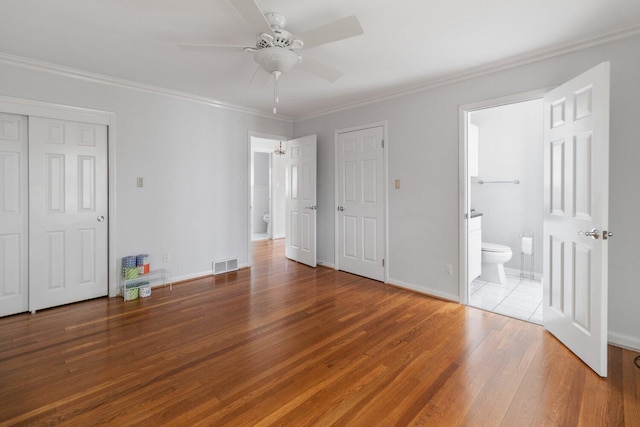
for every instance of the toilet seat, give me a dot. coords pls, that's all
(494, 247)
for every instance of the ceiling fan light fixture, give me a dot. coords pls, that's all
(276, 59)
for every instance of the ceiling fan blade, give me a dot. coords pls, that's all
(209, 46)
(319, 69)
(331, 32)
(253, 15)
(260, 78)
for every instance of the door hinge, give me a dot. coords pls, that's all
(383, 262)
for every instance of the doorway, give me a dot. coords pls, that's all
(505, 186)
(575, 210)
(267, 189)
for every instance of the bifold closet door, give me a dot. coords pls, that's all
(67, 212)
(14, 215)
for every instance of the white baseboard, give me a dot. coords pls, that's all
(201, 274)
(624, 341)
(424, 290)
(191, 276)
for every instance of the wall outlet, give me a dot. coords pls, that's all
(165, 257)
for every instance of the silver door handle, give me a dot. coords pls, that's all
(100, 218)
(340, 208)
(312, 207)
(593, 233)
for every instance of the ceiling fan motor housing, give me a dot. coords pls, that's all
(283, 39)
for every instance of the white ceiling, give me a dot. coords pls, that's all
(406, 44)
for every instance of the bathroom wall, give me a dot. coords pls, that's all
(510, 148)
(260, 191)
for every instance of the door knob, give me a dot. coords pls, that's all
(340, 208)
(593, 233)
(100, 218)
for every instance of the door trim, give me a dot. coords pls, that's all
(385, 192)
(463, 177)
(27, 107)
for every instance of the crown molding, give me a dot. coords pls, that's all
(127, 84)
(513, 62)
(493, 67)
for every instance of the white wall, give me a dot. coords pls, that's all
(423, 152)
(510, 148)
(193, 157)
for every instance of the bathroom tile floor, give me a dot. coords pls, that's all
(519, 298)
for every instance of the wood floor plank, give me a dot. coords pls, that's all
(285, 344)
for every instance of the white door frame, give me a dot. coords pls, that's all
(247, 184)
(49, 110)
(463, 192)
(385, 192)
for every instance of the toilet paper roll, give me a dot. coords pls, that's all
(527, 245)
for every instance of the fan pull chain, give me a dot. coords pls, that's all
(276, 74)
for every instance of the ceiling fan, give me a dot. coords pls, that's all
(276, 49)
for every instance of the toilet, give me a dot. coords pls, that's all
(267, 218)
(493, 258)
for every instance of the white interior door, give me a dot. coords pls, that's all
(576, 153)
(67, 212)
(14, 214)
(301, 200)
(360, 202)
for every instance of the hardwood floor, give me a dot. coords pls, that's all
(284, 344)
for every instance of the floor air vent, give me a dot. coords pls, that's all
(225, 266)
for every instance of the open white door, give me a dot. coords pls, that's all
(301, 200)
(67, 212)
(576, 198)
